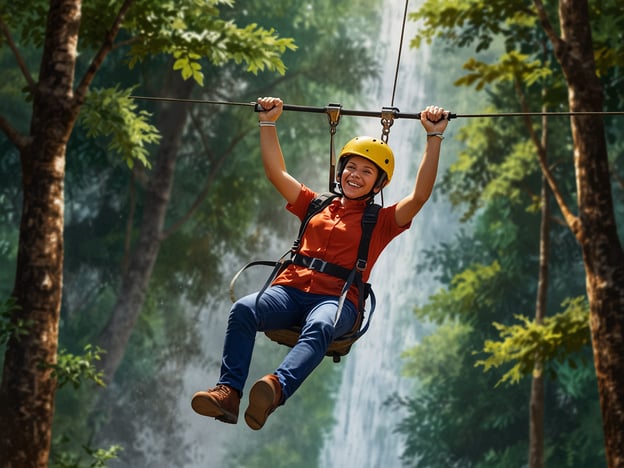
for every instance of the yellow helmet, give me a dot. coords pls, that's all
(373, 149)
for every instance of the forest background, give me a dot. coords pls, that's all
(176, 217)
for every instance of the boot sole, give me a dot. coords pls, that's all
(261, 398)
(206, 406)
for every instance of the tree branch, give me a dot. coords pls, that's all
(20, 61)
(129, 221)
(204, 193)
(572, 220)
(618, 179)
(18, 139)
(555, 40)
(125, 43)
(107, 46)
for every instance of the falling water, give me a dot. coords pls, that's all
(364, 435)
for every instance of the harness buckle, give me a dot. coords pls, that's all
(314, 262)
(360, 265)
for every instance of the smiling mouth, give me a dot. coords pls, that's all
(353, 184)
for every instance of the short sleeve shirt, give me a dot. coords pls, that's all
(333, 235)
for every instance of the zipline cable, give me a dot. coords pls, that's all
(396, 112)
(396, 71)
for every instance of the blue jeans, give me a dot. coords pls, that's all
(282, 307)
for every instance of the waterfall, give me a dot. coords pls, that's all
(364, 432)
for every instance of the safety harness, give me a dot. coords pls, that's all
(341, 345)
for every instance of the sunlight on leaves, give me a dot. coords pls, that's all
(112, 113)
(75, 369)
(526, 344)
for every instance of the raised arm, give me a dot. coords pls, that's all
(434, 120)
(272, 157)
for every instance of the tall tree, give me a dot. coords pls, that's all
(594, 227)
(142, 257)
(493, 279)
(537, 398)
(536, 402)
(28, 384)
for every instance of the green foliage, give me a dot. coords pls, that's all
(607, 25)
(435, 357)
(73, 369)
(492, 163)
(189, 65)
(8, 329)
(467, 294)
(29, 18)
(529, 343)
(191, 30)
(463, 23)
(453, 418)
(510, 67)
(509, 177)
(95, 458)
(113, 113)
(489, 273)
(525, 58)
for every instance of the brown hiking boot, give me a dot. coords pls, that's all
(220, 402)
(264, 397)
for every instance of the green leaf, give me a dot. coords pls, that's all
(112, 113)
(527, 345)
(8, 328)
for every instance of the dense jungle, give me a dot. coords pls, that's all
(123, 217)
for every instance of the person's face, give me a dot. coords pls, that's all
(358, 177)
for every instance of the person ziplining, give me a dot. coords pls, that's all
(310, 290)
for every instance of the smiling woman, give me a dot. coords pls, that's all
(361, 159)
(358, 178)
(307, 294)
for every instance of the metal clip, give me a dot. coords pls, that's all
(388, 114)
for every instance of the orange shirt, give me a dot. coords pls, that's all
(334, 235)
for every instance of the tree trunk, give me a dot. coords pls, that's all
(536, 404)
(28, 388)
(116, 334)
(602, 252)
